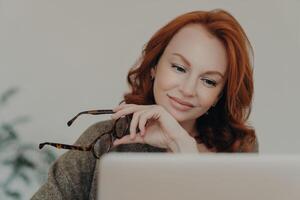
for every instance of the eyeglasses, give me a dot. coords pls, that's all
(104, 142)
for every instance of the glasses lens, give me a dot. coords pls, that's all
(121, 126)
(102, 145)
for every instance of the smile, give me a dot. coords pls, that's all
(178, 105)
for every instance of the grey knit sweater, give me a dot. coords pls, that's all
(74, 174)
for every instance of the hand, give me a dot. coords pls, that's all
(157, 128)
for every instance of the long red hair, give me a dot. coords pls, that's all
(224, 128)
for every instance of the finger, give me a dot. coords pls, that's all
(127, 109)
(148, 118)
(124, 111)
(133, 124)
(124, 140)
(127, 140)
(143, 121)
(121, 106)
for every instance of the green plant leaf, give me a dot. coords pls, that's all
(21, 161)
(8, 94)
(9, 129)
(24, 177)
(13, 194)
(21, 157)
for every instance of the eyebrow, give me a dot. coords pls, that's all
(189, 64)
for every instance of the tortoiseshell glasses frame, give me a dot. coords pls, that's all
(104, 142)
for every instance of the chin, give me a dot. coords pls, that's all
(180, 116)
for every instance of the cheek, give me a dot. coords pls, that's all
(165, 80)
(166, 83)
(160, 89)
(207, 96)
(163, 86)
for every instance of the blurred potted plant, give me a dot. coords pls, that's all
(20, 162)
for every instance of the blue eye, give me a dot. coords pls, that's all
(210, 83)
(178, 68)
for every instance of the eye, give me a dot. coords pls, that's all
(209, 83)
(178, 68)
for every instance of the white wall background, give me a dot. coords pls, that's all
(68, 56)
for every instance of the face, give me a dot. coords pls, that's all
(191, 73)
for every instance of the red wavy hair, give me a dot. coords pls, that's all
(224, 129)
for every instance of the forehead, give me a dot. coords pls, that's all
(199, 47)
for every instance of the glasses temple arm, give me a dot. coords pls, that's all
(65, 146)
(92, 112)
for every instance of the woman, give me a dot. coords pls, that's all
(191, 91)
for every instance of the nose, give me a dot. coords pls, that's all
(188, 87)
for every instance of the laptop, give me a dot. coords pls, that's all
(166, 176)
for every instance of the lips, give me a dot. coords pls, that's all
(182, 102)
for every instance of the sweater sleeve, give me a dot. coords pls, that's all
(73, 174)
